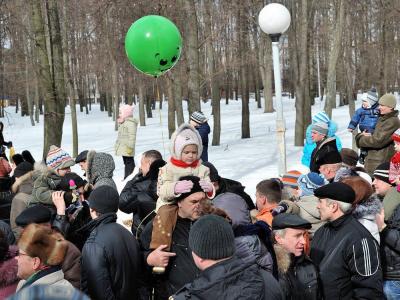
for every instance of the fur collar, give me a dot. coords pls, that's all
(371, 206)
(21, 180)
(9, 268)
(283, 259)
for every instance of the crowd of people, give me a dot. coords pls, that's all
(332, 232)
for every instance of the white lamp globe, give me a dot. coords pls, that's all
(274, 18)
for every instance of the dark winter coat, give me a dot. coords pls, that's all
(6, 230)
(323, 147)
(348, 260)
(8, 273)
(380, 145)
(3, 143)
(181, 268)
(253, 243)
(5, 198)
(298, 276)
(139, 196)
(110, 261)
(100, 169)
(365, 118)
(232, 186)
(231, 279)
(204, 131)
(390, 247)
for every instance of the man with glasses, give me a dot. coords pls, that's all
(41, 252)
(379, 144)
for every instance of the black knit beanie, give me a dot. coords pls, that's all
(211, 237)
(196, 187)
(104, 199)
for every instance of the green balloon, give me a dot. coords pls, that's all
(153, 45)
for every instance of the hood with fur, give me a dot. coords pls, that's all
(185, 135)
(100, 169)
(371, 206)
(23, 184)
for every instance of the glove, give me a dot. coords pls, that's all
(183, 186)
(281, 208)
(206, 186)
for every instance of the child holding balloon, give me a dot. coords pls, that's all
(186, 148)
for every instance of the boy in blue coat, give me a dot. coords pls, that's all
(199, 121)
(366, 117)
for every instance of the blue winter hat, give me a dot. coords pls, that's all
(309, 182)
(321, 117)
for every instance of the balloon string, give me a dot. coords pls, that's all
(159, 113)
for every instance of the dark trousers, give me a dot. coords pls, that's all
(129, 163)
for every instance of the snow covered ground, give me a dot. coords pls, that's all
(246, 160)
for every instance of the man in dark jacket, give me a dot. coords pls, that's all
(390, 250)
(298, 276)
(225, 185)
(199, 121)
(110, 257)
(223, 275)
(380, 145)
(344, 250)
(324, 145)
(179, 264)
(139, 195)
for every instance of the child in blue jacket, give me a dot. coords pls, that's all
(366, 117)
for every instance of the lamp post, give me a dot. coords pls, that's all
(274, 19)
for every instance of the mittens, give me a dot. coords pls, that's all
(183, 186)
(206, 186)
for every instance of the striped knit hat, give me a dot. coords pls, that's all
(290, 179)
(372, 96)
(321, 117)
(382, 172)
(57, 158)
(320, 127)
(198, 117)
(310, 182)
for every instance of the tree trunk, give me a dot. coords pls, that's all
(333, 58)
(192, 53)
(244, 83)
(142, 100)
(53, 89)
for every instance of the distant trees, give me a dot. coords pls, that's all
(55, 53)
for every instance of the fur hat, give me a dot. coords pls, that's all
(57, 158)
(40, 241)
(388, 100)
(198, 117)
(320, 127)
(183, 136)
(349, 157)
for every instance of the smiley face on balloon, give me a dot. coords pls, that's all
(153, 45)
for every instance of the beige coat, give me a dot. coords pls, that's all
(125, 144)
(22, 187)
(170, 174)
(53, 279)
